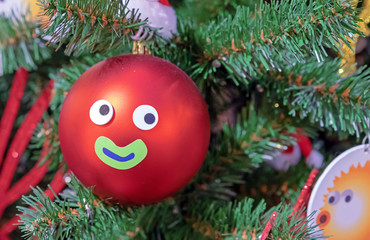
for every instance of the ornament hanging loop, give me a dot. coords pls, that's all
(141, 47)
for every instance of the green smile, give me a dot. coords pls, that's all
(120, 157)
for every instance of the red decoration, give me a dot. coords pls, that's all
(164, 2)
(300, 204)
(302, 201)
(305, 193)
(268, 227)
(11, 109)
(292, 155)
(136, 127)
(17, 147)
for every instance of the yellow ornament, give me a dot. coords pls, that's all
(349, 56)
(17, 8)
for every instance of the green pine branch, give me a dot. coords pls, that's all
(237, 150)
(20, 45)
(239, 43)
(203, 11)
(317, 92)
(77, 216)
(283, 31)
(82, 215)
(89, 25)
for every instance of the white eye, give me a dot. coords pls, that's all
(348, 195)
(101, 112)
(145, 117)
(333, 198)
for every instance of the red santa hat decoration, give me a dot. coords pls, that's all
(164, 2)
(160, 14)
(292, 155)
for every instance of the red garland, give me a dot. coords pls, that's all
(300, 204)
(268, 227)
(305, 193)
(18, 146)
(11, 109)
(22, 137)
(32, 178)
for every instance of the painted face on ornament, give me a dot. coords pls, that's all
(346, 213)
(136, 127)
(144, 117)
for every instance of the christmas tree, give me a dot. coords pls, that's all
(281, 87)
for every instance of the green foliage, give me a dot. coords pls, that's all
(202, 13)
(266, 63)
(317, 92)
(81, 215)
(20, 45)
(283, 31)
(238, 150)
(90, 25)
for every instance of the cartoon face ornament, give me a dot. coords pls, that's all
(136, 127)
(340, 200)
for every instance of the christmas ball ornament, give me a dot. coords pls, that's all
(17, 8)
(136, 127)
(340, 200)
(291, 156)
(160, 14)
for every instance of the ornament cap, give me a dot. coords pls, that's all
(141, 47)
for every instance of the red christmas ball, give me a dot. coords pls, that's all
(136, 127)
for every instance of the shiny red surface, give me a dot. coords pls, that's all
(177, 145)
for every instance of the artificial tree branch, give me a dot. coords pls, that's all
(89, 25)
(20, 45)
(280, 31)
(318, 92)
(57, 184)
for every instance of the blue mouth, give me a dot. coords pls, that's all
(117, 157)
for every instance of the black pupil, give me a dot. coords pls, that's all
(348, 198)
(149, 118)
(331, 199)
(104, 109)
